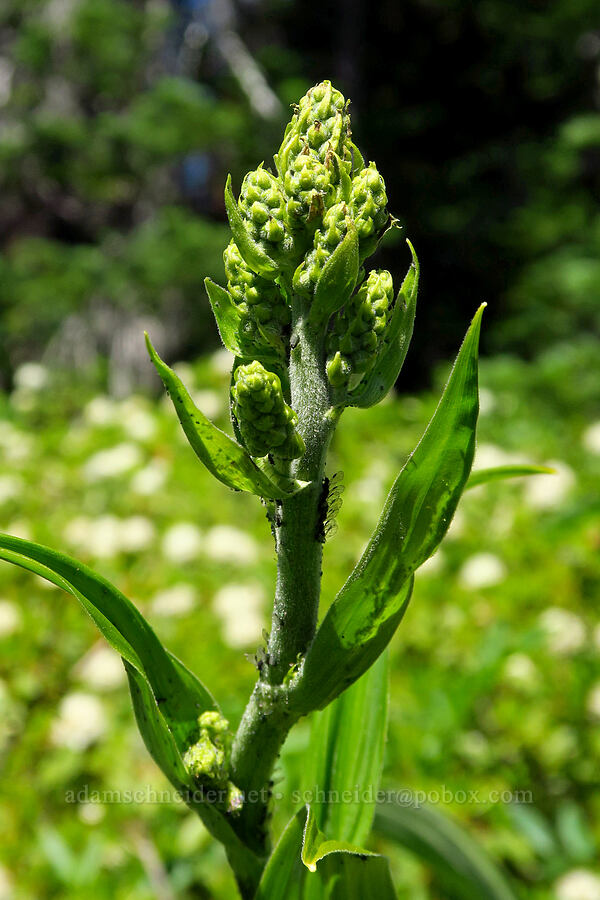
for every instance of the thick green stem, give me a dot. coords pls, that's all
(299, 543)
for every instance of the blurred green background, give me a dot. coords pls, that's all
(119, 121)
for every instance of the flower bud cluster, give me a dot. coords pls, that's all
(309, 160)
(207, 760)
(305, 230)
(368, 203)
(358, 331)
(320, 124)
(266, 422)
(264, 315)
(262, 205)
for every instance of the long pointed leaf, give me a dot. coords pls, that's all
(463, 870)
(414, 520)
(345, 756)
(226, 315)
(158, 739)
(498, 473)
(398, 336)
(229, 462)
(227, 318)
(338, 279)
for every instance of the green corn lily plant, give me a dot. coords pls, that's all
(311, 333)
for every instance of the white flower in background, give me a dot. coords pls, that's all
(591, 438)
(593, 702)
(99, 537)
(473, 746)
(100, 669)
(20, 528)
(482, 570)
(136, 533)
(208, 402)
(14, 444)
(548, 491)
(558, 746)
(101, 411)
(239, 606)
(11, 487)
(487, 401)
(10, 618)
(488, 456)
(110, 463)
(182, 542)
(108, 535)
(174, 601)
(6, 885)
(150, 479)
(520, 670)
(432, 565)
(136, 421)
(91, 813)
(224, 543)
(565, 631)
(579, 884)
(31, 377)
(221, 361)
(80, 722)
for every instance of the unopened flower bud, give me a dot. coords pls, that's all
(319, 125)
(326, 239)
(262, 205)
(266, 422)
(368, 203)
(309, 186)
(358, 331)
(207, 758)
(264, 314)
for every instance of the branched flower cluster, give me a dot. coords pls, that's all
(304, 232)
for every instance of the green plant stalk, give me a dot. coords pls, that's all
(298, 535)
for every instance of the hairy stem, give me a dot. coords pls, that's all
(298, 534)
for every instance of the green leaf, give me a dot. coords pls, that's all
(229, 462)
(498, 473)
(226, 315)
(181, 698)
(305, 865)
(463, 870)
(167, 698)
(152, 725)
(338, 279)
(254, 255)
(415, 518)
(316, 846)
(228, 319)
(397, 339)
(345, 756)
